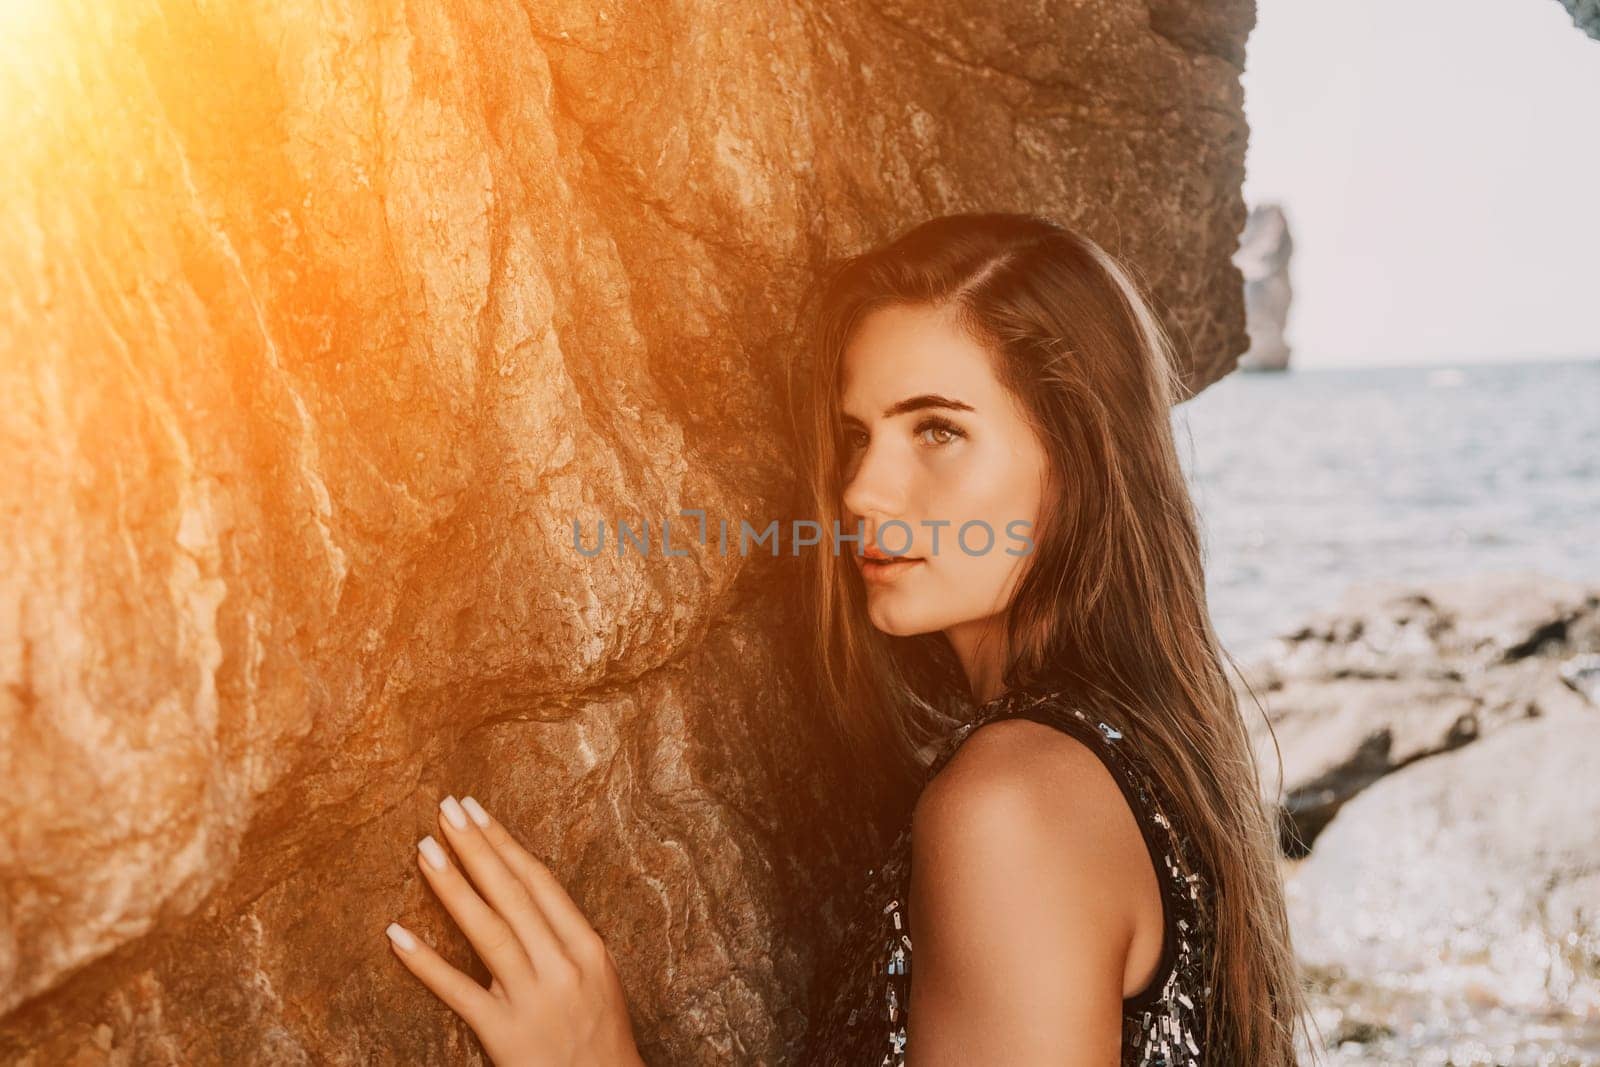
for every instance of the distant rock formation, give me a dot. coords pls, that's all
(1263, 258)
(1585, 15)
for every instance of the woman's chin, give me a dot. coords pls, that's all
(897, 622)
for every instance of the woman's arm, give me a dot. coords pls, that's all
(1026, 862)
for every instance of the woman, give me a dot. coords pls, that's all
(1094, 873)
(1094, 876)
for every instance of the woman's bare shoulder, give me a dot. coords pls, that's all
(1019, 767)
(1024, 863)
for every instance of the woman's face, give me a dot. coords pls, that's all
(932, 440)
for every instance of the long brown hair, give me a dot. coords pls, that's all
(1111, 605)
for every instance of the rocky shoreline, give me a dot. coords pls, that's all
(1440, 813)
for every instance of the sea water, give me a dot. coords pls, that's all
(1314, 480)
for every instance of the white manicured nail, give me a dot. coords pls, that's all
(401, 937)
(432, 852)
(453, 812)
(475, 810)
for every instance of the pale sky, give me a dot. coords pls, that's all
(1439, 164)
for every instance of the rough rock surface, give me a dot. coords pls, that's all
(1585, 15)
(322, 324)
(1437, 751)
(1265, 249)
(1461, 896)
(1394, 674)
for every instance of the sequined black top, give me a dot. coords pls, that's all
(862, 1018)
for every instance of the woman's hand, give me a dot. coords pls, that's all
(556, 999)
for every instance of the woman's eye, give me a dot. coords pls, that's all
(944, 432)
(850, 440)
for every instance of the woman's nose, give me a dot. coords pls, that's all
(874, 487)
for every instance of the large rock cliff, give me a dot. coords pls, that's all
(323, 323)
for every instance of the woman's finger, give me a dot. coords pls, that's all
(460, 992)
(500, 887)
(491, 936)
(577, 936)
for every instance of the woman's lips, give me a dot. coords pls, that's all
(886, 570)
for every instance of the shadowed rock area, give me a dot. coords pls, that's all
(323, 324)
(1585, 15)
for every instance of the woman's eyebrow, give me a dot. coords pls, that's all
(914, 403)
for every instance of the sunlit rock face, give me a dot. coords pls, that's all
(1452, 905)
(321, 326)
(1394, 674)
(1431, 747)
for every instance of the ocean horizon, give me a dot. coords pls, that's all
(1315, 480)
